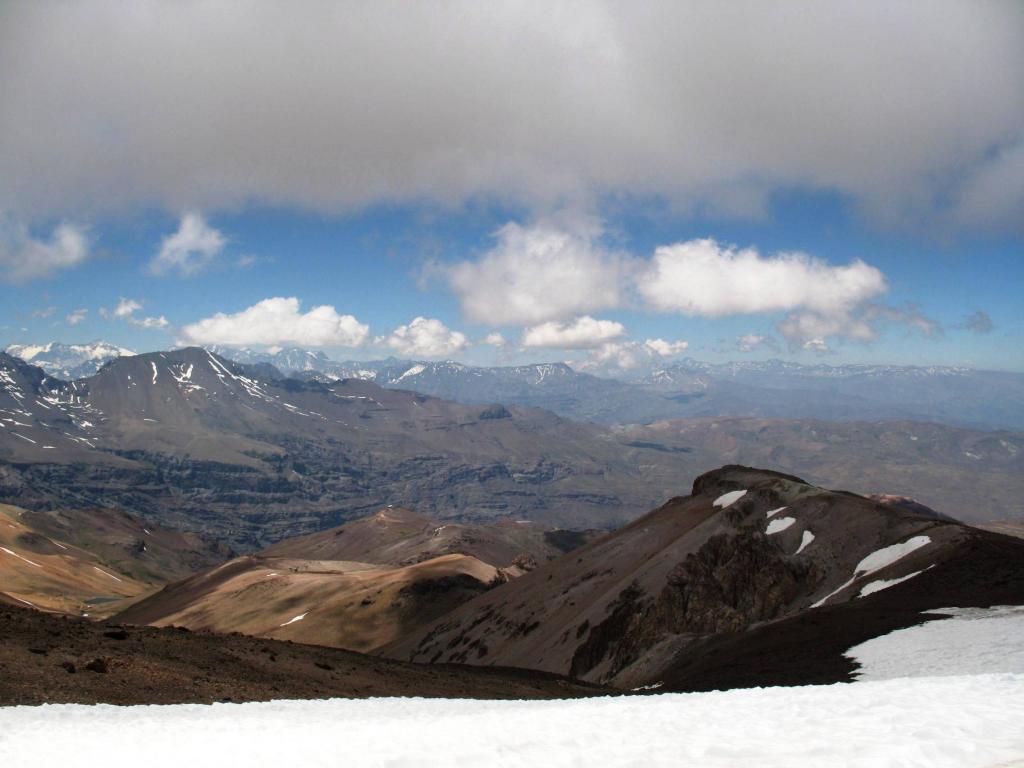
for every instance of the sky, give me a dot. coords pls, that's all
(616, 184)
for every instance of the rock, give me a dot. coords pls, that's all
(98, 665)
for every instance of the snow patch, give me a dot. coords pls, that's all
(878, 560)
(731, 497)
(779, 524)
(805, 542)
(773, 512)
(292, 620)
(15, 554)
(878, 586)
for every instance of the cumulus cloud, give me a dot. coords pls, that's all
(704, 104)
(751, 342)
(76, 316)
(629, 354)
(125, 310)
(539, 273)
(664, 348)
(424, 337)
(582, 333)
(277, 321)
(705, 278)
(702, 277)
(979, 322)
(24, 257)
(495, 339)
(818, 346)
(190, 249)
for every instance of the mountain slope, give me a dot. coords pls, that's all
(199, 443)
(48, 659)
(360, 586)
(47, 573)
(748, 547)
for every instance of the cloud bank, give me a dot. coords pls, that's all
(909, 109)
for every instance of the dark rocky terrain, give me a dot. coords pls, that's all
(698, 590)
(47, 659)
(195, 442)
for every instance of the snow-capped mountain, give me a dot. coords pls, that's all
(289, 360)
(689, 388)
(69, 361)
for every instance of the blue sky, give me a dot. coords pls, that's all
(603, 201)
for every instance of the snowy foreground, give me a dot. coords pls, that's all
(947, 721)
(972, 719)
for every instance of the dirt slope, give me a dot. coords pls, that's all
(49, 659)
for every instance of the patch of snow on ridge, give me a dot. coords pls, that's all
(967, 722)
(878, 586)
(416, 370)
(731, 497)
(974, 641)
(779, 524)
(300, 617)
(773, 512)
(805, 542)
(878, 560)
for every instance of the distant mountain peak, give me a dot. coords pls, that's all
(69, 361)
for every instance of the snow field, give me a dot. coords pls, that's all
(935, 722)
(975, 640)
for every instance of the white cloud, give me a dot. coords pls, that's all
(24, 257)
(424, 337)
(751, 342)
(44, 312)
(495, 339)
(627, 355)
(278, 321)
(705, 278)
(818, 346)
(709, 104)
(582, 333)
(190, 249)
(702, 277)
(76, 316)
(539, 273)
(151, 323)
(125, 310)
(664, 348)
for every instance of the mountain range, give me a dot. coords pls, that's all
(686, 388)
(194, 442)
(69, 361)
